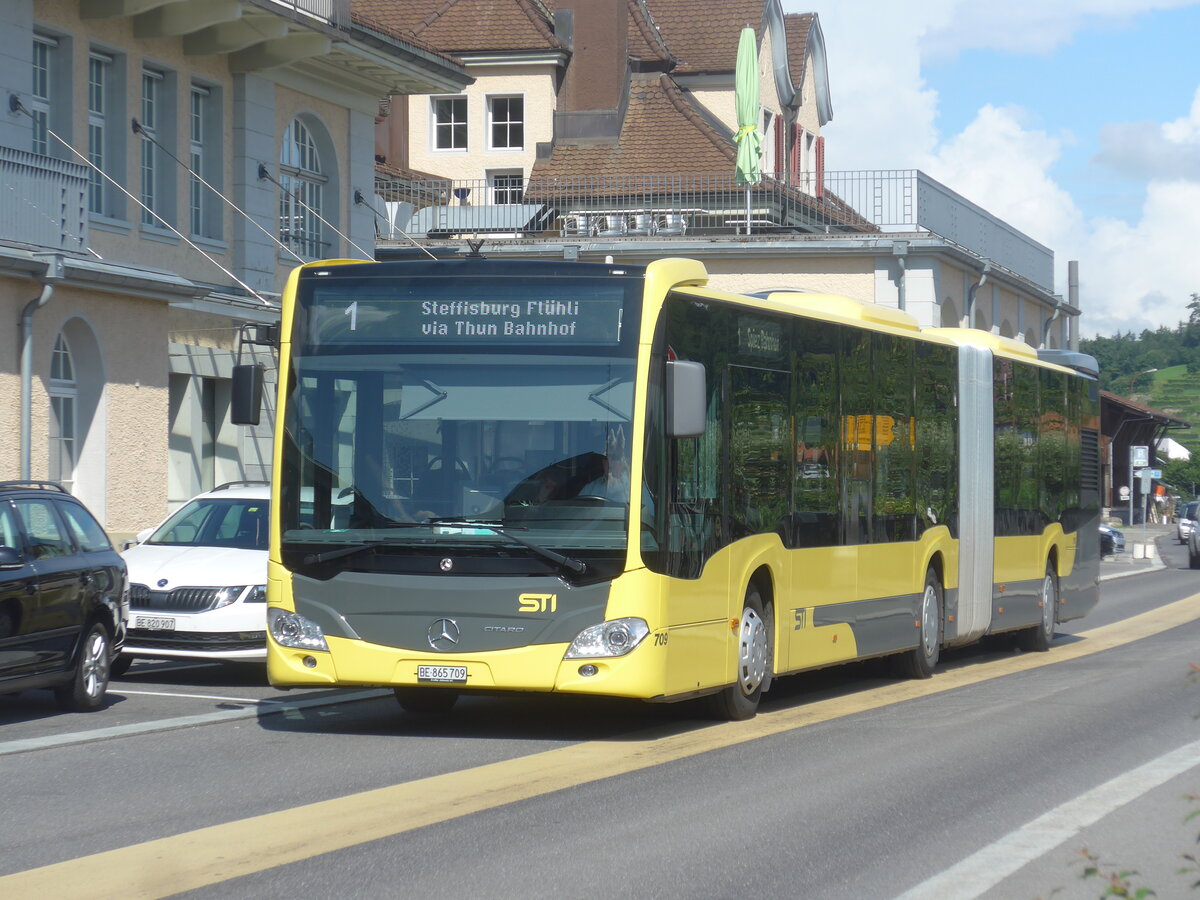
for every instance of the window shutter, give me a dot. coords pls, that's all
(820, 167)
(780, 153)
(794, 156)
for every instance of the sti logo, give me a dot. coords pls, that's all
(537, 603)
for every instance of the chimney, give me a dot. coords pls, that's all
(595, 88)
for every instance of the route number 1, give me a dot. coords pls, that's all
(352, 312)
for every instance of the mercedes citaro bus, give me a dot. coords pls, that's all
(504, 475)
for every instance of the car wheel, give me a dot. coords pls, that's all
(1039, 638)
(120, 665)
(1193, 557)
(85, 691)
(740, 700)
(923, 659)
(426, 701)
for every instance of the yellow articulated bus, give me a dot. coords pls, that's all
(504, 475)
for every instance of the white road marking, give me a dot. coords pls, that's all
(120, 691)
(982, 871)
(99, 734)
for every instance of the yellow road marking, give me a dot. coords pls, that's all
(206, 856)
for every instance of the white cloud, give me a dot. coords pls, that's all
(883, 112)
(1029, 26)
(1142, 275)
(1003, 167)
(1134, 275)
(1151, 149)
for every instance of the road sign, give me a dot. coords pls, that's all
(1139, 456)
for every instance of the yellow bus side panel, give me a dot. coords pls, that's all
(1023, 557)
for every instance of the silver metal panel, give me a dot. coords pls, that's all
(975, 508)
(956, 218)
(44, 200)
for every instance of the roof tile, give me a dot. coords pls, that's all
(467, 26)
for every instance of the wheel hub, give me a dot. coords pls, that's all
(752, 651)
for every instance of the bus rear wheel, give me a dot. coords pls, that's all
(425, 701)
(740, 700)
(1038, 638)
(920, 661)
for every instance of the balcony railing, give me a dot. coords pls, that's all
(44, 200)
(639, 207)
(335, 13)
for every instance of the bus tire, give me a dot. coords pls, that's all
(920, 661)
(1039, 638)
(1193, 558)
(739, 701)
(425, 701)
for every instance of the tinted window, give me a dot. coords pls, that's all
(87, 531)
(46, 536)
(10, 531)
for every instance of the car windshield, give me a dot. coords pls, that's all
(238, 522)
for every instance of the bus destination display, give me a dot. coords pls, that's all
(521, 319)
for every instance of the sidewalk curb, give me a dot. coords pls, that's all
(1151, 565)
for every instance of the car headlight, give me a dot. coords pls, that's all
(227, 595)
(613, 638)
(258, 594)
(293, 630)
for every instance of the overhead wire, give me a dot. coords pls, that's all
(265, 173)
(138, 129)
(18, 106)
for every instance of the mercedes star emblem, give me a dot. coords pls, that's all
(447, 564)
(443, 634)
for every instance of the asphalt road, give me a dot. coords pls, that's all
(987, 780)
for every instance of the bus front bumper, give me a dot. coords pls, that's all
(639, 674)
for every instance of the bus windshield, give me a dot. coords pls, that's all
(403, 439)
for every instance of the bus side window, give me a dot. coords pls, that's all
(816, 501)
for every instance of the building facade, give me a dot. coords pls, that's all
(625, 148)
(166, 165)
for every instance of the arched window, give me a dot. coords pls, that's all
(302, 198)
(63, 396)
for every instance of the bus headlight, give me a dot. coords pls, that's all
(615, 638)
(293, 630)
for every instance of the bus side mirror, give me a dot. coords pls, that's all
(686, 399)
(245, 404)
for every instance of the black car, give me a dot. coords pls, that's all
(64, 598)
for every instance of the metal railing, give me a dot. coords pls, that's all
(43, 201)
(674, 206)
(335, 13)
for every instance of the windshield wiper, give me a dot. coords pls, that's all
(569, 563)
(357, 546)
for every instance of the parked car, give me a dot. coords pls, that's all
(198, 580)
(63, 596)
(1111, 540)
(1193, 545)
(1187, 520)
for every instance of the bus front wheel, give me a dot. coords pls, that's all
(739, 700)
(920, 661)
(426, 701)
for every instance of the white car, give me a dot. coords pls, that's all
(197, 582)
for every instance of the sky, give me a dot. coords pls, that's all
(1075, 121)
